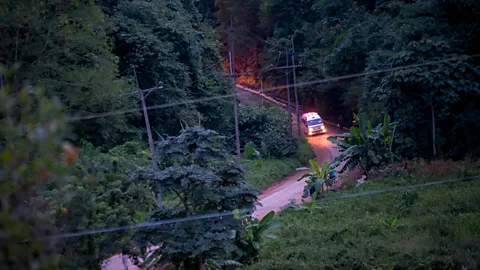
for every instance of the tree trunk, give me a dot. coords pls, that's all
(201, 262)
(434, 142)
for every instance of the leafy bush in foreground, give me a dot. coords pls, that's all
(318, 179)
(32, 128)
(366, 146)
(250, 236)
(197, 168)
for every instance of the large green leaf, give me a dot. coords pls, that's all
(324, 169)
(355, 137)
(267, 218)
(363, 126)
(304, 169)
(315, 167)
(386, 125)
(373, 157)
(308, 175)
(274, 225)
(355, 150)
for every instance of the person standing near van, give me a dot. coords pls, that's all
(340, 121)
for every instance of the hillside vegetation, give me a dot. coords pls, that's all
(435, 105)
(434, 227)
(117, 132)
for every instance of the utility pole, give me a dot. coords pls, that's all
(147, 121)
(150, 138)
(234, 89)
(289, 105)
(295, 88)
(287, 67)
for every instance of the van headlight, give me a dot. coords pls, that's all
(310, 129)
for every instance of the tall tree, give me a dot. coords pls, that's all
(348, 37)
(62, 46)
(167, 42)
(99, 196)
(202, 178)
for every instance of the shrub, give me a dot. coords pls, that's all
(266, 127)
(250, 152)
(304, 151)
(249, 238)
(366, 146)
(197, 168)
(318, 179)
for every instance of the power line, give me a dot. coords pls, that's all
(144, 225)
(234, 91)
(246, 211)
(186, 102)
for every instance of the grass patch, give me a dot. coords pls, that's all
(271, 171)
(439, 230)
(274, 170)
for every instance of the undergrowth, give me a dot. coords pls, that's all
(435, 227)
(263, 172)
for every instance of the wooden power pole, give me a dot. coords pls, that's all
(286, 67)
(234, 89)
(149, 133)
(295, 88)
(289, 105)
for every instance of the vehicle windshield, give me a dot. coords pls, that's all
(314, 122)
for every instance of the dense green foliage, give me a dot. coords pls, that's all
(317, 179)
(84, 51)
(266, 171)
(166, 42)
(197, 168)
(63, 47)
(251, 235)
(266, 128)
(99, 195)
(365, 146)
(434, 105)
(89, 57)
(31, 131)
(436, 227)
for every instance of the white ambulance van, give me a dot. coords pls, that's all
(312, 124)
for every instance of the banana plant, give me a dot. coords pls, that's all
(317, 179)
(249, 238)
(390, 223)
(366, 146)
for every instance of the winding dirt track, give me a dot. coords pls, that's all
(279, 194)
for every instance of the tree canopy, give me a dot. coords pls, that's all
(196, 168)
(349, 37)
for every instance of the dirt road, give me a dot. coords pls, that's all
(279, 194)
